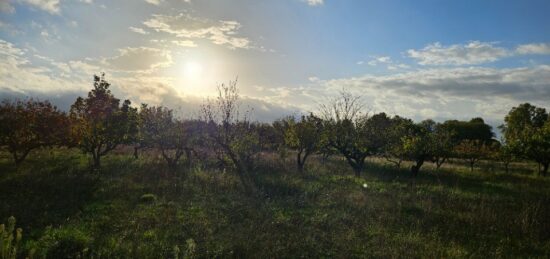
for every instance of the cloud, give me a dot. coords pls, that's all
(154, 2)
(314, 2)
(471, 53)
(534, 48)
(20, 75)
(50, 6)
(379, 60)
(138, 30)
(143, 59)
(187, 26)
(452, 91)
(6, 7)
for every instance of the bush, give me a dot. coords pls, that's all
(62, 243)
(148, 198)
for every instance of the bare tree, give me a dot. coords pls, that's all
(231, 133)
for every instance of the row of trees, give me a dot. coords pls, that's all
(100, 123)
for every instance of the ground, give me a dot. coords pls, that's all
(139, 208)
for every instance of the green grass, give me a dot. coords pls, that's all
(141, 209)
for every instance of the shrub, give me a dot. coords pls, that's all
(9, 239)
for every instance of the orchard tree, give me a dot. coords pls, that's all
(443, 145)
(525, 129)
(31, 124)
(174, 138)
(505, 153)
(393, 150)
(304, 136)
(473, 151)
(418, 144)
(232, 134)
(346, 129)
(100, 123)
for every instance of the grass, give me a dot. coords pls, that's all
(141, 209)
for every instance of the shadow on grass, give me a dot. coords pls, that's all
(44, 191)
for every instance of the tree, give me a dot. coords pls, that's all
(473, 151)
(393, 150)
(505, 154)
(172, 137)
(100, 123)
(442, 147)
(304, 136)
(418, 144)
(525, 130)
(232, 134)
(475, 129)
(346, 129)
(31, 124)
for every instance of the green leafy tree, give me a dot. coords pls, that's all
(525, 130)
(418, 144)
(31, 124)
(443, 145)
(393, 150)
(174, 138)
(100, 123)
(304, 137)
(473, 150)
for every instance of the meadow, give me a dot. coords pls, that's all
(141, 208)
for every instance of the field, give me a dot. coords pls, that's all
(139, 208)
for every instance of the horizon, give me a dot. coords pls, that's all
(419, 60)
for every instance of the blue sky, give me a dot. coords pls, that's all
(420, 59)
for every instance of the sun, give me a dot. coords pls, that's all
(192, 70)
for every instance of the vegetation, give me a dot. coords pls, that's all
(237, 195)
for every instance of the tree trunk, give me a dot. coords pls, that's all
(545, 168)
(472, 165)
(416, 168)
(506, 167)
(299, 162)
(136, 155)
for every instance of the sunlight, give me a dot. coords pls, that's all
(192, 71)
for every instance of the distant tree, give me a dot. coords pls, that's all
(232, 134)
(475, 129)
(525, 130)
(304, 136)
(31, 124)
(505, 154)
(473, 151)
(100, 123)
(346, 129)
(174, 138)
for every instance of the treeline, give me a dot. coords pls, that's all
(99, 123)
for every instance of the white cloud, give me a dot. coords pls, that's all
(186, 26)
(446, 90)
(472, 53)
(534, 48)
(379, 60)
(185, 43)
(142, 59)
(314, 2)
(138, 30)
(51, 6)
(154, 2)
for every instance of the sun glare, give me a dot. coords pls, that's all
(192, 70)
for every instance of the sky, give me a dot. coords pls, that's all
(419, 59)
